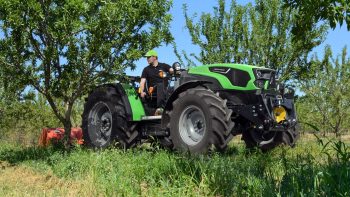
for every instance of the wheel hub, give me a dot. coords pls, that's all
(100, 124)
(106, 122)
(192, 125)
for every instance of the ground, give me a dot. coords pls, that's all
(305, 169)
(21, 180)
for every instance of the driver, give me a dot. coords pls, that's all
(151, 75)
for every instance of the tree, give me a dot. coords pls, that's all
(23, 118)
(63, 48)
(257, 35)
(311, 12)
(327, 92)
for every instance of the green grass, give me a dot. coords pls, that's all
(310, 169)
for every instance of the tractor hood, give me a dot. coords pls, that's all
(237, 76)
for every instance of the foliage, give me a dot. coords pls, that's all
(22, 118)
(311, 12)
(256, 35)
(64, 48)
(327, 93)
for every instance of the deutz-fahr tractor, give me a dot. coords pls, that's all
(206, 106)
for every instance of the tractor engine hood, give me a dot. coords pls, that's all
(237, 76)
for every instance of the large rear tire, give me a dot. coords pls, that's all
(198, 120)
(104, 120)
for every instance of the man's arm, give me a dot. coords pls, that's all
(169, 68)
(142, 87)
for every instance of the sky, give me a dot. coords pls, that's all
(336, 38)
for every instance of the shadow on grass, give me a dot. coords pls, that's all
(17, 155)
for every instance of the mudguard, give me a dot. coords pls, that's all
(134, 107)
(132, 103)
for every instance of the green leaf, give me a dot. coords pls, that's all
(63, 48)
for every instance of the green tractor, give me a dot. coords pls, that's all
(206, 107)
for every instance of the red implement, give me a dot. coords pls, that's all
(49, 135)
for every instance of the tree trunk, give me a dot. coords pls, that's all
(67, 131)
(67, 124)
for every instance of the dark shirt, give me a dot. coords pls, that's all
(151, 73)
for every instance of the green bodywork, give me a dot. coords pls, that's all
(223, 80)
(137, 107)
(135, 102)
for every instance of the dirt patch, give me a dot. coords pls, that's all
(345, 138)
(23, 181)
(4, 164)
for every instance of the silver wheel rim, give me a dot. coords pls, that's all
(192, 125)
(100, 124)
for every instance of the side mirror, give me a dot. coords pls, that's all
(176, 66)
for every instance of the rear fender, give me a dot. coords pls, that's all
(132, 103)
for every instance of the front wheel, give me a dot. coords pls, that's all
(268, 140)
(198, 120)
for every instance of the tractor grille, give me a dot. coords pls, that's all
(237, 77)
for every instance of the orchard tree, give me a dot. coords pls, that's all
(256, 35)
(2, 99)
(327, 92)
(311, 12)
(63, 48)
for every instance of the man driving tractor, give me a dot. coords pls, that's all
(205, 106)
(153, 77)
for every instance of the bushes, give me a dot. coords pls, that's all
(22, 120)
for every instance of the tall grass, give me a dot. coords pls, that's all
(310, 169)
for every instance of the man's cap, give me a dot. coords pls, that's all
(151, 53)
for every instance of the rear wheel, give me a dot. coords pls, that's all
(104, 120)
(198, 120)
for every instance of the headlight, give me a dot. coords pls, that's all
(263, 73)
(263, 76)
(259, 74)
(259, 83)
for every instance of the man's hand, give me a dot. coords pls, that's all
(142, 87)
(143, 94)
